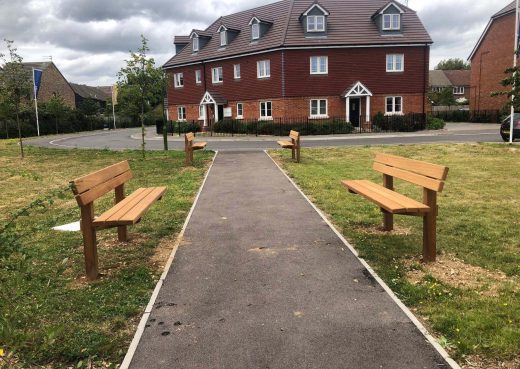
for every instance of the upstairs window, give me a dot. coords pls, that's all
(315, 23)
(255, 31)
(263, 68)
(236, 71)
(319, 64)
(198, 76)
(178, 80)
(223, 38)
(394, 62)
(458, 90)
(217, 75)
(195, 43)
(391, 22)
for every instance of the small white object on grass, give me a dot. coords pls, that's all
(71, 227)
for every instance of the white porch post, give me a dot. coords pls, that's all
(216, 112)
(205, 115)
(368, 108)
(347, 104)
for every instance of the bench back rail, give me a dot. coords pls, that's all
(295, 137)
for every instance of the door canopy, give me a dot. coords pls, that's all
(357, 90)
(213, 98)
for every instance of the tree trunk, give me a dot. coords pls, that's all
(19, 132)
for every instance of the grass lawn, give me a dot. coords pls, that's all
(470, 299)
(49, 316)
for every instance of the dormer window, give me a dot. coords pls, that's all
(315, 23)
(255, 31)
(391, 22)
(195, 44)
(223, 38)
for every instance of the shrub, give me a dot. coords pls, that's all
(435, 123)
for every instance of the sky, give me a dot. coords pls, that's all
(89, 40)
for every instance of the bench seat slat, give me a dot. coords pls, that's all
(130, 210)
(199, 145)
(285, 144)
(385, 198)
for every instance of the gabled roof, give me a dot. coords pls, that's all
(508, 9)
(89, 92)
(315, 5)
(181, 40)
(200, 33)
(228, 28)
(398, 6)
(260, 20)
(437, 78)
(287, 31)
(357, 89)
(458, 77)
(212, 97)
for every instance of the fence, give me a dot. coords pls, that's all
(306, 126)
(472, 116)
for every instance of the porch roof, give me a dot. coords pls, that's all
(212, 97)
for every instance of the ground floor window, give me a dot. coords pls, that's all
(202, 111)
(240, 110)
(181, 113)
(266, 110)
(394, 105)
(318, 108)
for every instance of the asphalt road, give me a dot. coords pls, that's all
(130, 139)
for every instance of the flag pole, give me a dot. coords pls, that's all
(515, 58)
(114, 114)
(36, 104)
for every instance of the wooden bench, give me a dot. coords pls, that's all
(190, 146)
(429, 176)
(294, 145)
(127, 210)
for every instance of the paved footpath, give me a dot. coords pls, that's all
(260, 281)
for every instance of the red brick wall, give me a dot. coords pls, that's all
(52, 83)
(493, 57)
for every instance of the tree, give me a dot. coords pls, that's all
(512, 81)
(453, 64)
(443, 97)
(57, 108)
(140, 85)
(15, 85)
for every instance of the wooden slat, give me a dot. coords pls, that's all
(391, 201)
(190, 136)
(199, 145)
(134, 212)
(123, 205)
(285, 144)
(94, 179)
(98, 191)
(427, 182)
(417, 166)
(294, 134)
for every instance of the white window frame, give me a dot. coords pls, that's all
(393, 112)
(236, 68)
(263, 69)
(220, 76)
(198, 76)
(318, 107)
(195, 44)
(394, 63)
(255, 31)
(314, 23)
(223, 38)
(391, 17)
(266, 117)
(202, 109)
(181, 113)
(241, 116)
(319, 64)
(178, 80)
(458, 90)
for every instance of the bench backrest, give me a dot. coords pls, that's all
(424, 174)
(294, 135)
(94, 185)
(189, 136)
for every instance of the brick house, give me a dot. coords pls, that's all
(53, 83)
(83, 92)
(457, 80)
(302, 58)
(491, 56)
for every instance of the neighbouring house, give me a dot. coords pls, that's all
(52, 83)
(83, 92)
(302, 58)
(491, 56)
(456, 80)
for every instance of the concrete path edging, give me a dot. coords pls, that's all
(140, 328)
(392, 295)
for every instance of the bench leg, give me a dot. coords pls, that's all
(89, 242)
(430, 227)
(122, 234)
(191, 157)
(298, 154)
(293, 153)
(388, 220)
(187, 157)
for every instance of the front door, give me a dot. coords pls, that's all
(354, 111)
(220, 112)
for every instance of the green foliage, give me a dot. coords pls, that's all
(57, 108)
(141, 85)
(434, 123)
(444, 97)
(15, 86)
(453, 64)
(512, 81)
(89, 107)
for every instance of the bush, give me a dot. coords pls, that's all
(399, 123)
(435, 123)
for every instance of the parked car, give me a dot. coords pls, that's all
(506, 124)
